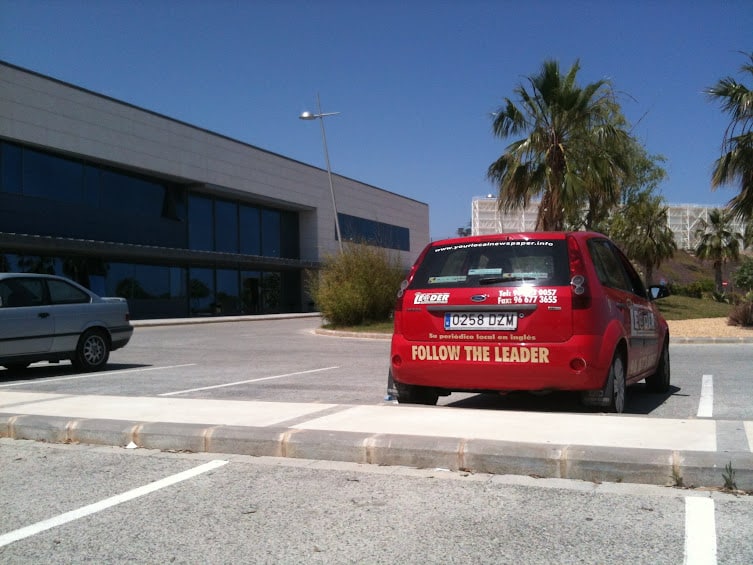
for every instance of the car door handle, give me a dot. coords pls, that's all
(44, 314)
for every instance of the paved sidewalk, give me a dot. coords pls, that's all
(591, 447)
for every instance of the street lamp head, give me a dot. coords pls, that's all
(308, 116)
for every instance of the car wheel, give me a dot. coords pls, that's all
(659, 381)
(616, 388)
(92, 352)
(412, 394)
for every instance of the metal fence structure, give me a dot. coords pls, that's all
(683, 219)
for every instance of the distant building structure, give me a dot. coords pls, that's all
(683, 219)
(179, 220)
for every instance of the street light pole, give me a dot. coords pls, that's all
(320, 116)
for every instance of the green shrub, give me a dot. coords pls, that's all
(357, 286)
(743, 277)
(693, 290)
(742, 313)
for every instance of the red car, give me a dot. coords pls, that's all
(535, 311)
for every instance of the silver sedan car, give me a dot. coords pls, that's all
(50, 318)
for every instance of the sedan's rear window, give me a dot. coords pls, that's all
(494, 263)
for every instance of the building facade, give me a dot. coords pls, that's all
(683, 219)
(179, 220)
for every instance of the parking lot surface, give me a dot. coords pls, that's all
(275, 387)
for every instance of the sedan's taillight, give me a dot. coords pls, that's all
(579, 290)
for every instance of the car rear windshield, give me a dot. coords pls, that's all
(494, 263)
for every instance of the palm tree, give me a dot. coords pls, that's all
(718, 242)
(735, 166)
(642, 230)
(571, 150)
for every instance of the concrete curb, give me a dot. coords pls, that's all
(594, 464)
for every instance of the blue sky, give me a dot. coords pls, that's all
(415, 81)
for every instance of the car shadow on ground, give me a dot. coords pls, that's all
(48, 370)
(639, 401)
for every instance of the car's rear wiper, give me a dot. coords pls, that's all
(507, 278)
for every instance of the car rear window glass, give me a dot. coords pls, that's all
(494, 263)
(64, 293)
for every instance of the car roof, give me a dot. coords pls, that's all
(537, 235)
(29, 276)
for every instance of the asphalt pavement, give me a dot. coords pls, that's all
(589, 447)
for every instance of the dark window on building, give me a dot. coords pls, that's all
(290, 242)
(121, 191)
(362, 230)
(250, 230)
(201, 290)
(200, 223)
(270, 233)
(226, 226)
(10, 168)
(250, 292)
(51, 177)
(228, 300)
(92, 185)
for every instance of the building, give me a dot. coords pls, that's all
(179, 220)
(683, 219)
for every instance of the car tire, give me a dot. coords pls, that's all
(659, 381)
(92, 352)
(616, 385)
(412, 394)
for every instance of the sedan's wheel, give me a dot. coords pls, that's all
(92, 352)
(616, 386)
(412, 394)
(659, 381)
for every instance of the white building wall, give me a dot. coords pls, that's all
(47, 113)
(683, 220)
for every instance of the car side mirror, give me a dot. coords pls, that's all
(657, 291)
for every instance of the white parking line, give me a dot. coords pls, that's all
(700, 531)
(34, 529)
(94, 374)
(706, 404)
(246, 382)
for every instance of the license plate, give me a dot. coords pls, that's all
(505, 321)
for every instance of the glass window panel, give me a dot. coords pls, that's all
(270, 293)
(64, 293)
(178, 282)
(226, 226)
(10, 168)
(290, 235)
(228, 297)
(174, 203)
(119, 280)
(200, 233)
(372, 232)
(250, 292)
(151, 281)
(270, 233)
(91, 186)
(52, 177)
(250, 230)
(124, 191)
(201, 290)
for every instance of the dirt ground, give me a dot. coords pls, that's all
(707, 327)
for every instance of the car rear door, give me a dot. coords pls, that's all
(26, 324)
(628, 303)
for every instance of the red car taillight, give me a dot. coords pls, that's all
(580, 292)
